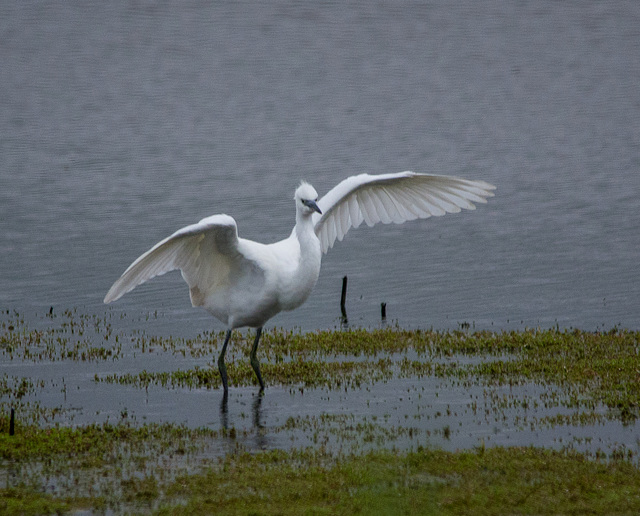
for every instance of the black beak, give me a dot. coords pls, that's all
(312, 204)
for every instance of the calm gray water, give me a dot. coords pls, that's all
(122, 121)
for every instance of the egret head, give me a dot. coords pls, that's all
(306, 197)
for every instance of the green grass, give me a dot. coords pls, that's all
(166, 469)
(94, 466)
(492, 481)
(592, 367)
(24, 501)
(313, 481)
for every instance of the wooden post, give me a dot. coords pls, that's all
(12, 422)
(343, 298)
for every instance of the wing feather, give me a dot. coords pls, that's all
(205, 252)
(372, 203)
(412, 205)
(355, 215)
(332, 229)
(342, 222)
(388, 212)
(369, 205)
(394, 198)
(443, 203)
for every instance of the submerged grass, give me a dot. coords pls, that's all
(58, 469)
(594, 368)
(164, 468)
(313, 481)
(94, 445)
(297, 372)
(496, 481)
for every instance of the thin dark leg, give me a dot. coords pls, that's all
(221, 367)
(224, 411)
(254, 361)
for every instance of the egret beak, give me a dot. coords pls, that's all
(312, 204)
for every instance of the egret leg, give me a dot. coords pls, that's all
(221, 367)
(254, 361)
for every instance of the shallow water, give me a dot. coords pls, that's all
(64, 383)
(401, 413)
(123, 121)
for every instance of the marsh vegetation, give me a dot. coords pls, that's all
(417, 421)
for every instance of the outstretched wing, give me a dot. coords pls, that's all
(206, 253)
(393, 198)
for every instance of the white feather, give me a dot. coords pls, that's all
(245, 283)
(203, 252)
(393, 198)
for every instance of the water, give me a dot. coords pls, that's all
(63, 384)
(123, 121)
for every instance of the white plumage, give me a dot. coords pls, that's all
(394, 198)
(245, 283)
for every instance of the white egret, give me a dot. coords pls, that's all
(245, 283)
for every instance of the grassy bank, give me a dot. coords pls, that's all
(426, 481)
